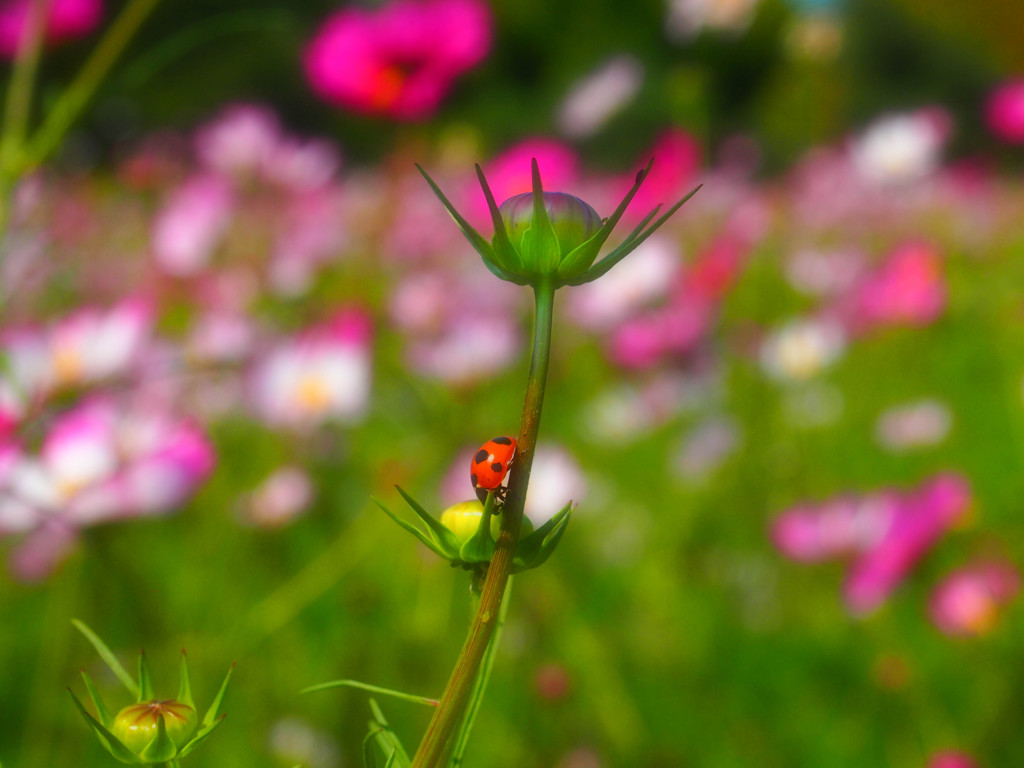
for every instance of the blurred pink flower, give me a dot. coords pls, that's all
(884, 533)
(677, 327)
(321, 374)
(952, 760)
(190, 225)
(397, 61)
(312, 233)
(65, 20)
(100, 461)
(84, 347)
(907, 289)
(240, 141)
(280, 498)
(839, 527)
(968, 601)
(1004, 111)
(916, 425)
(600, 95)
(459, 326)
(677, 163)
(510, 173)
(924, 516)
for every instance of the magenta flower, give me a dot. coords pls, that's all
(924, 516)
(398, 61)
(885, 534)
(969, 600)
(908, 289)
(1004, 112)
(677, 163)
(952, 760)
(65, 20)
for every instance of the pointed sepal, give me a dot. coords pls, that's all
(506, 256)
(445, 538)
(479, 548)
(535, 548)
(185, 685)
(101, 710)
(203, 732)
(161, 748)
(631, 243)
(109, 741)
(427, 540)
(211, 713)
(145, 681)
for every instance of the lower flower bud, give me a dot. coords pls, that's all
(138, 724)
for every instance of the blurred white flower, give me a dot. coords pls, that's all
(687, 18)
(322, 374)
(294, 741)
(802, 349)
(898, 149)
(915, 425)
(600, 95)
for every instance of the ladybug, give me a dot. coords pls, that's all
(490, 465)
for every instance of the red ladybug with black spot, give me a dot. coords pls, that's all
(490, 465)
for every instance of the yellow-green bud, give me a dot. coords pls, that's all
(463, 519)
(137, 724)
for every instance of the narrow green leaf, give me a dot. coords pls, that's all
(101, 709)
(211, 713)
(373, 689)
(479, 548)
(203, 732)
(145, 683)
(443, 536)
(185, 687)
(630, 244)
(369, 761)
(475, 238)
(108, 657)
(480, 684)
(427, 540)
(109, 741)
(387, 739)
(161, 748)
(391, 760)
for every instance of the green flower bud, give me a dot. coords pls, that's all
(151, 731)
(551, 238)
(463, 519)
(137, 725)
(571, 221)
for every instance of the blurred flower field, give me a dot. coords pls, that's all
(792, 420)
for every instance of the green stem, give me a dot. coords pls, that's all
(18, 106)
(71, 102)
(456, 698)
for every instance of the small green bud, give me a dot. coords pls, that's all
(571, 221)
(137, 725)
(463, 519)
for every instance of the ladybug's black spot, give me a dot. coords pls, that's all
(502, 440)
(496, 466)
(472, 476)
(481, 455)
